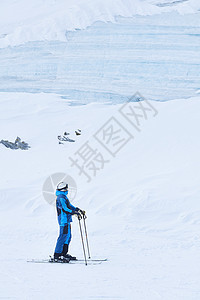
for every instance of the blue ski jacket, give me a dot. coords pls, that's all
(64, 208)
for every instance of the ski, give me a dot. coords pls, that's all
(72, 262)
(88, 260)
(104, 259)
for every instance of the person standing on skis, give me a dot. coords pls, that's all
(65, 210)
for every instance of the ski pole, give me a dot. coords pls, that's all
(84, 217)
(79, 219)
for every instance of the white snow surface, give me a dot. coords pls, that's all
(22, 21)
(143, 207)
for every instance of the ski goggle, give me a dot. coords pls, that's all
(64, 188)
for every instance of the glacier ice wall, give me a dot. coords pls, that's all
(155, 55)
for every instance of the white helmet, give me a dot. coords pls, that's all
(62, 186)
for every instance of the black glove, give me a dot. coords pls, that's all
(77, 213)
(81, 211)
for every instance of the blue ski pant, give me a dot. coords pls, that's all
(64, 238)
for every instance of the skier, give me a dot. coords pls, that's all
(65, 210)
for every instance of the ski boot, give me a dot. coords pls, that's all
(65, 254)
(60, 259)
(70, 257)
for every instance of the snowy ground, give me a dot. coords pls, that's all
(143, 204)
(143, 207)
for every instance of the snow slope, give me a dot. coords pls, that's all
(143, 207)
(22, 21)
